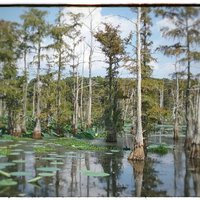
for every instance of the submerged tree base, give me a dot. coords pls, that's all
(188, 143)
(111, 137)
(37, 134)
(137, 154)
(195, 151)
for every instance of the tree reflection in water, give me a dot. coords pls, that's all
(195, 166)
(146, 179)
(112, 164)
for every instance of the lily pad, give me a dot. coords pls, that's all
(7, 141)
(57, 163)
(7, 182)
(2, 156)
(114, 151)
(97, 174)
(46, 174)
(23, 142)
(21, 195)
(28, 152)
(20, 173)
(5, 174)
(6, 164)
(2, 167)
(48, 169)
(14, 154)
(109, 153)
(51, 158)
(34, 179)
(19, 161)
(61, 156)
(14, 145)
(17, 150)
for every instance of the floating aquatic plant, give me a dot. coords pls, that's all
(159, 149)
(97, 174)
(8, 182)
(34, 180)
(6, 164)
(46, 174)
(57, 163)
(20, 173)
(5, 173)
(48, 169)
(19, 161)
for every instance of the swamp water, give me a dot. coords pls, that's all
(63, 173)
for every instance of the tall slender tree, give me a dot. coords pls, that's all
(146, 43)
(60, 58)
(113, 47)
(9, 87)
(75, 40)
(185, 32)
(138, 151)
(34, 22)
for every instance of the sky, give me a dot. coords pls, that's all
(115, 15)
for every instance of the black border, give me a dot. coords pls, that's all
(98, 5)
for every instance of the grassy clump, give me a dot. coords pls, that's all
(159, 149)
(76, 144)
(4, 151)
(14, 138)
(43, 149)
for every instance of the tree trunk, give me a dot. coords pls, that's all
(25, 88)
(89, 117)
(76, 99)
(1, 107)
(161, 91)
(59, 131)
(138, 152)
(33, 103)
(37, 130)
(189, 124)
(111, 135)
(176, 114)
(195, 144)
(82, 85)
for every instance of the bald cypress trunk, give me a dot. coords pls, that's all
(195, 143)
(37, 130)
(138, 151)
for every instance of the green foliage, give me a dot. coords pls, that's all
(7, 182)
(43, 149)
(159, 149)
(76, 144)
(4, 151)
(112, 46)
(95, 174)
(86, 134)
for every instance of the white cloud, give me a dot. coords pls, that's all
(93, 15)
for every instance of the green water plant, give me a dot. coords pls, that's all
(160, 149)
(43, 149)
(34, 180)
(4, 151)
(18, 173)
(8, 182)
(78, 144)
(95, 174)
(46, 174)
(48, 169)
(4, 173)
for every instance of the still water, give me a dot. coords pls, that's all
(169, 175)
